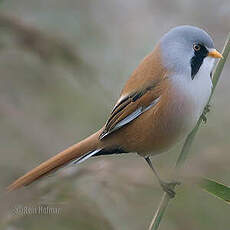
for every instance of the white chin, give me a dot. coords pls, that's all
(207, 65)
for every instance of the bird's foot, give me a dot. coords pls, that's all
(169, 187)
(206, 110)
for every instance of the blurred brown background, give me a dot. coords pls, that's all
(62, 66)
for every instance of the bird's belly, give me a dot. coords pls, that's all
(156, 130)
(173, 122)
(173, 127)
(185, 106)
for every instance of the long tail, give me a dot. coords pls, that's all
(76, 154)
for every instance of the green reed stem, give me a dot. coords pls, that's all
(190, 138)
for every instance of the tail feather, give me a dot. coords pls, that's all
(76, 153)
(85, 157)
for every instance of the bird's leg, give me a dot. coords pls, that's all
(206, 110)
(168, 187)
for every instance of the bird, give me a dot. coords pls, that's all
(159, 105)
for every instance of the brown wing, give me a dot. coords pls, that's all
(141, 92)
(131, 107)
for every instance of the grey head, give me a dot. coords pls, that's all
(184, 49)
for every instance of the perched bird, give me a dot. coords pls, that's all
(159, 105)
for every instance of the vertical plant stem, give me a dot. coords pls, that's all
(189, 140)
(160, 212)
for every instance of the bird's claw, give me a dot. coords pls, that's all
(169, 188)
(206, 110)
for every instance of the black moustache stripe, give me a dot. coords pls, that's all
(197, 60)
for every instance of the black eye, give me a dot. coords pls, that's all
(196, 47)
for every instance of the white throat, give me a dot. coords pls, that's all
(201, 85)
(196, 91)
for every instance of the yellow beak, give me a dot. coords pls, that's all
(215, 54)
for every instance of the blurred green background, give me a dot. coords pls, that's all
(62, 66)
